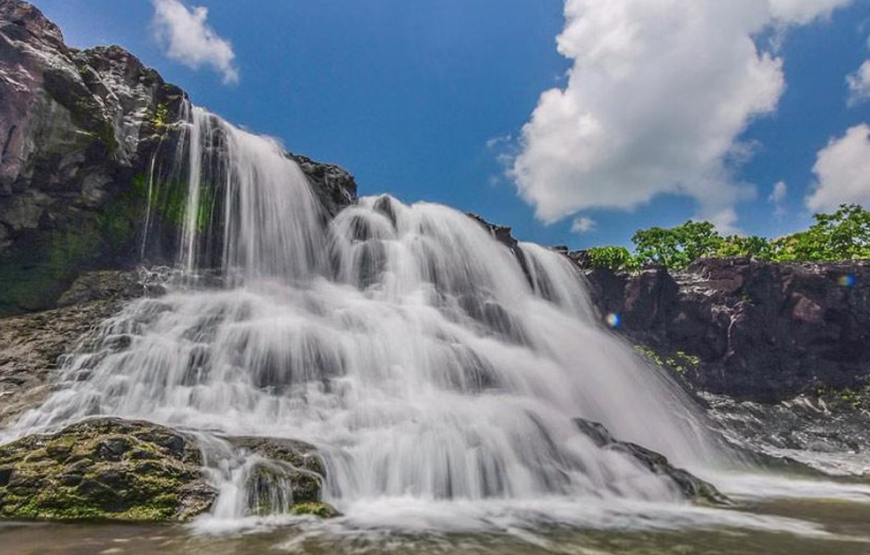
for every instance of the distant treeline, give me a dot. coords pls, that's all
(843, 235)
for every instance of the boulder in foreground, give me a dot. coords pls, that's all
(104, 468)
(691, 487)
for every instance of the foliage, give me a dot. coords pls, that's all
(680, 362)
(612, 258)
(753, 246)
(843, 235)
(676, 247)
(168, 198)
(160, 120)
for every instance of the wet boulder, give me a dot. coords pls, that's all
(692, 487)
(33, 346)
(104, 469)
(756, 330)
(287, 478)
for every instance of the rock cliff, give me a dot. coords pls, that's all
(748, 329)
(80, 130)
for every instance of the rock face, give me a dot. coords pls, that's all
(75, 128)
(824, 433)
(104, 469)
(109, 468)
(32, 345)
(690, 486)
(334, 186)
(748, 329)
(503, 235)
(79, 130)
(288, 478)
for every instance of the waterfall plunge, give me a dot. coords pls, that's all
(403, 341)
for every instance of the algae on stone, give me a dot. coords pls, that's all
(290, 475)
(103, 469)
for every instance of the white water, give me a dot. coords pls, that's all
(403, 341)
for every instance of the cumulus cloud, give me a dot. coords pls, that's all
(583, 225)
(843, 171)
(859, 84)
(803, 11)
(187, 38)
(657, 97)
(778, 193)
(777, 197)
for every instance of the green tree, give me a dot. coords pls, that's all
(753, 246)
(676, 247)
(843, 235)
(612, 258)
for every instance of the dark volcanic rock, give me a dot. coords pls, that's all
(759, 330)
(81, 131)
(76, 127)
(827, 432)
(104, 468)
(692, 487)
(288, 466)
(502, 234)
(32, 345)
(110, 468)
(334, 186)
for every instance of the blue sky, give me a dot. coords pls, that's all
(649, 112)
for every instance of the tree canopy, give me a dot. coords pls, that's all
(843, 235)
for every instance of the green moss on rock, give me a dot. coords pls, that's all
(103, 469)
(290, 474)
(36, 274)
(315, 508)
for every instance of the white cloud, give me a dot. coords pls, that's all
(778, 193)
(187, 38)
(777, 197)
(583, 225)
(499, 142)
(803, 11)
(843, 171)
(656, 99)
(859, 84)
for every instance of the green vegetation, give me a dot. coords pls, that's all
(103, 469)
(843, 235)
(680, 362)
(612, 258)
(676, 247)
(160, 120)
(855, 398)
(169, 200)
(315, 508)
(35, 276)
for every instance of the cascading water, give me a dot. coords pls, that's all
(403, 341)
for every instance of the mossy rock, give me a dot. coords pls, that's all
(290, 475)
(104, 469)
(315, 508)
(275, 487)
(297, 453)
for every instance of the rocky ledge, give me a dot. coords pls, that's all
(748, 329)
(32, 346)
(690, 486)
(113, 469)
(103, 469)
(80, 131)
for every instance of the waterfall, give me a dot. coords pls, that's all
(403, 341)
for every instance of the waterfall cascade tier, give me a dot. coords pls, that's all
(403, 341)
